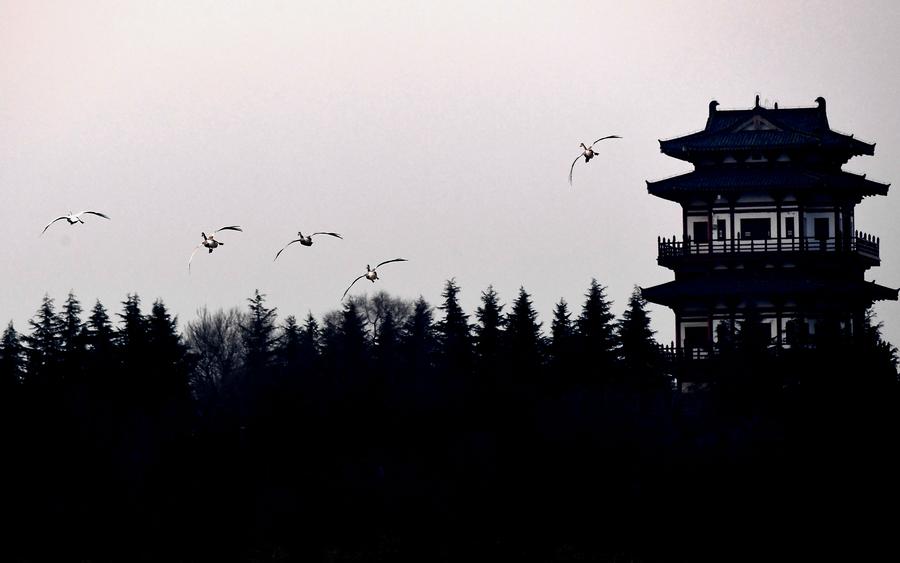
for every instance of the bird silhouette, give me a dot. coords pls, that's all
(210, 242)
(73, 218)
(588, 153)
(305, 241)
(371, 274)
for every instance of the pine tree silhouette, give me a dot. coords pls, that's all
(455, 333)
(639, 351)
(524, 343)
(562, 343)
(44, 345)
(12, 359)
(597, 339)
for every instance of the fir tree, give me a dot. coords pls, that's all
(454, 331)
(259, 333)
(310, 346)
(132, 334)
(489, 330)
(523, 336)
(289, 351)
(639, 351)
(387, 349)
(562, 339)
(167, 354)
(72, 329)
(596, 331)
(12, 358)
(44, 344)
(419, 339)
(100, 334)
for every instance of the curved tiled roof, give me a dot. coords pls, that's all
(749, 177)
(672, 292)
(794, 128)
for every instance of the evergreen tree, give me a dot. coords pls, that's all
(562, 341)
(100, 334)
(44, 344)
(596, 332)
(419, 338)
(289, 351)
(132, 336)
(639, 351)
(310, 346)
(167, 354)
(454, 331)
(259, 333)
(72, 331)
(387, 349)
(490, 328)
(525, 346)
(12, 358)
(352, 344)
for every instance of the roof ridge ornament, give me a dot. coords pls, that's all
(712, 110)
(756, 103)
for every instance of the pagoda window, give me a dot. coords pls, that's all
(701, 231)
(756, 157)
(696, 337)
(821, 228)
(756, 228)
(789, 227)
(721, 228)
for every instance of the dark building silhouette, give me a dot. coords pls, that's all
(768, 229)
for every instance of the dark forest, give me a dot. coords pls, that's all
(394, 430)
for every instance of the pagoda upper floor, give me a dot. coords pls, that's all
(762, 134)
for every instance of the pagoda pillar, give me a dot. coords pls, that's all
(778, 222)
(731, 221)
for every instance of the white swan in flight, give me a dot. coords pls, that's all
(588, 153)
(210, 242)
(305, 241)
(371, 274)
(73, 218)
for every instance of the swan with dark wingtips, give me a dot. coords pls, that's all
(73, 218)
(305, 241)
(588, 153)
(210, 242)
(371, 273)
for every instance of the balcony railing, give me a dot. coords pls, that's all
(860, 243)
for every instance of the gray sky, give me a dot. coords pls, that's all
(437, 132)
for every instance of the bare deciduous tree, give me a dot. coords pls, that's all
(215, 340)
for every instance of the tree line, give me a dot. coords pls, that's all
(394, 430)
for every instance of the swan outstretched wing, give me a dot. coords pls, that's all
(606, 137)
(51, 222)
(351, 285)
(231, 228)
(324, 233)
(97, 213)
(572, 168)
(192, 256)
(389, 261)
(285, 246)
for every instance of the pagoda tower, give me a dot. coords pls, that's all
(768, 231)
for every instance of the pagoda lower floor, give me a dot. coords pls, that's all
(783, 309)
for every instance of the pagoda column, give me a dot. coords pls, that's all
(838, 229)
(801, 227)
(778, 222)
(677, 329)
(731, 222)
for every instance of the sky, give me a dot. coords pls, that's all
(437, 132)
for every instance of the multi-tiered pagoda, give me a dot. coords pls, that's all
(768, 231)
